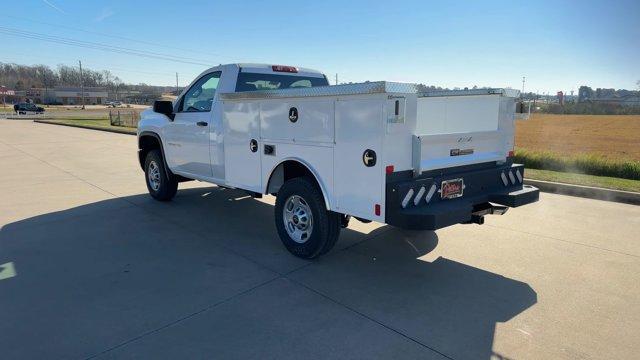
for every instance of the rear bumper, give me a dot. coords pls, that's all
(483, 188)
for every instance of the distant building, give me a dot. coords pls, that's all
(609, 96)
(67, 95)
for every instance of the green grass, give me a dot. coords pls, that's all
(582, 179)
(91, 123)
(581, 164)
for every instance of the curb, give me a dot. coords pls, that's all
(589, 192)
(117, 131)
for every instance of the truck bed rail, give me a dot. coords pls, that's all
(376, 87)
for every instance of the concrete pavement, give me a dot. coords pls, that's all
(100, 270)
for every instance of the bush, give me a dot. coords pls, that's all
(583, 164)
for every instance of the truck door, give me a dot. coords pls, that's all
(187, 136)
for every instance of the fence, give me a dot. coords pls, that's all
(127, 118)
(14, 115)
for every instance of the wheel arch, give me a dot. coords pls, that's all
(147, 141)
(290, 168)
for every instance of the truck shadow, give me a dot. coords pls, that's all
(75, 275)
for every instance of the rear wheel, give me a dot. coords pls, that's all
(307, 229)
(162, 186)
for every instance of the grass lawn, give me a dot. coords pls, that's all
(91, 123)
(581, 179)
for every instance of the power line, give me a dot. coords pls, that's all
(99, 46)
(110, 35)
(102, 67)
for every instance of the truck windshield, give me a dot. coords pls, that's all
(255, 81)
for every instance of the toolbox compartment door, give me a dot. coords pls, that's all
(358, 188)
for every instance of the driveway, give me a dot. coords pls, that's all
(92, 267)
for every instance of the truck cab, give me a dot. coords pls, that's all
(377, 151)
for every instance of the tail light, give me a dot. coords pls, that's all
(511, 154)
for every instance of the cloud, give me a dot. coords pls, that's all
(53, 6)
(104, 14)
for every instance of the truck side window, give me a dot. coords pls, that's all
(200, 96)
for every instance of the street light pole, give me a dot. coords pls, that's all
(177, 93)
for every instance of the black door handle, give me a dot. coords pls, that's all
(202, 123)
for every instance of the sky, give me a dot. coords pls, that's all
(556, 45)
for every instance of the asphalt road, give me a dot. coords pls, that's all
(91, 266)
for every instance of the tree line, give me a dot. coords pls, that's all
(23, 77)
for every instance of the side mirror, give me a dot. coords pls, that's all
(164, 107)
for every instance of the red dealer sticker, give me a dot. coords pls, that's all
(450, 189)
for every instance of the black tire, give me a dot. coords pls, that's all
(167, 187)
(326, 224)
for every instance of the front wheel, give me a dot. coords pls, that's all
(162, 185)
(307, 229)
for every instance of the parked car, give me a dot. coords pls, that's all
(114, 103)
(376, 151)
(27, 108)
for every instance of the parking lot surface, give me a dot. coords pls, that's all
(92, 267)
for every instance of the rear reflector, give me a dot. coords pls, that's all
(406, 199)
(421, 192)
(518, 175)
(377, 209)
(432, 191)
(504, 179)
(389, 169)
(283, 68)
(512, 178)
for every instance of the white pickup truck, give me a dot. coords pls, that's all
(376, 151)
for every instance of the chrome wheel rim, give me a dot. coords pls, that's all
(153, 176)
(298, 219)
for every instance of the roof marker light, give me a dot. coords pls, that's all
(389, 169)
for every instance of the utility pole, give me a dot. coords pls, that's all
(522, 86)
(177, 93)
(44, 82)
(336, 78)
(81, 83)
